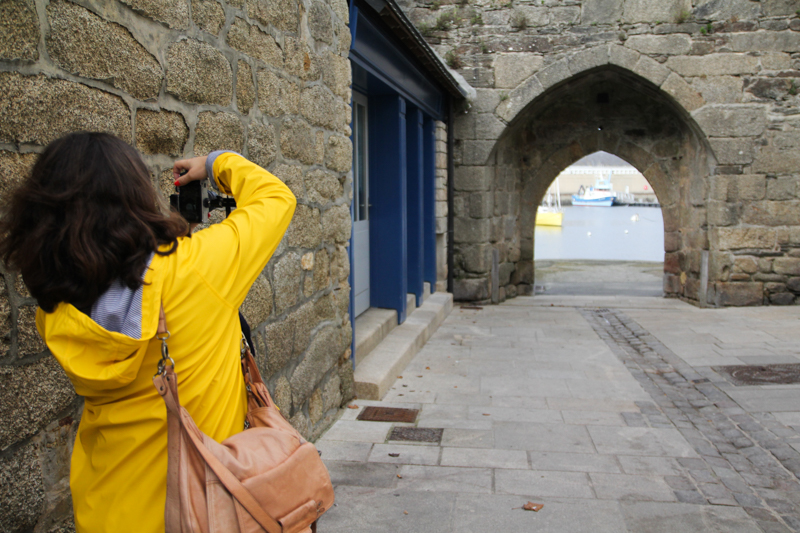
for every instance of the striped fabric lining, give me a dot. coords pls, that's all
(119, 309)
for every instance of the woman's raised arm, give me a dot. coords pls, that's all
(229, 256)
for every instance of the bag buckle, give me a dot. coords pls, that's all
(165, 358)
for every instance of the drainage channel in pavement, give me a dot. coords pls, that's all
(744, 461)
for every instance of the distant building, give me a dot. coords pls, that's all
(624, 177)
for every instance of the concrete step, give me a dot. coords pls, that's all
(372, 326)
(411, 303)
(379, 369)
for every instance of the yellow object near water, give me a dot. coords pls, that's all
(549, 218)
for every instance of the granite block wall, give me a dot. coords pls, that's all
(724, 78)
(176, 78)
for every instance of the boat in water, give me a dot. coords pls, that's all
(601, 195)
(550, 214)
(547, 217)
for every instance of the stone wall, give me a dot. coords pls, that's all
(726, 76)
(441, 207)
(176, 78)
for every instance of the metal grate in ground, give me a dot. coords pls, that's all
(743, 375)
(388, 414)
(433, 435)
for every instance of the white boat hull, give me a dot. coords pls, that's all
(606, 201)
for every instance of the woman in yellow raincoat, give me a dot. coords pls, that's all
(100, 257)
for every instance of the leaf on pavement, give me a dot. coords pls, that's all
(535, 507)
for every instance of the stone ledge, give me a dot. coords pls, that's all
(376, 373)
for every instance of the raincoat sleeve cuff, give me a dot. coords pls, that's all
(210, 166)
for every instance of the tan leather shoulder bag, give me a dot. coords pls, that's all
(266, 478)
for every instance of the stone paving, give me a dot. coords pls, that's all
(604, 409)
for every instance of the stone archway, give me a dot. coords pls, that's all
(608, 98)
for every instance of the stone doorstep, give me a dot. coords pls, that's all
(379, 369)
(374, 324)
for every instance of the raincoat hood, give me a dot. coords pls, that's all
(96, 360)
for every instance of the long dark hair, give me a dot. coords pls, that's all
(86, 215)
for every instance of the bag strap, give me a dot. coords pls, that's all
(162, 321)
(172, 510)
(174, 414)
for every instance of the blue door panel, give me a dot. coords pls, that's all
(388, 237)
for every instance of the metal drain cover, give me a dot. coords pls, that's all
(417, 434)
(761, 374)
(388, 414)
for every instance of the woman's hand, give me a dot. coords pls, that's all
(195, 170)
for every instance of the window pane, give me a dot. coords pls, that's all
(361, 154)
(356, 140)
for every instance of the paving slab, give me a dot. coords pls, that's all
(765, 399)
(592, 418)
(640, 465)
(626, 487)
(542, 437)
(515, 414)
(573, 462)
(789, 418)
(501, 513)
(543, 484)
(335, 450)
(603, 408)
(445, 478)
(468, 438)
(404, 454)
(477, 457)
(362, 474)
(672, 517)
(357, 431)
(372, 510)
(640, 441)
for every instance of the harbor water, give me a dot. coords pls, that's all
(621, 233)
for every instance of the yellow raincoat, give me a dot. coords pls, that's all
(119, 464)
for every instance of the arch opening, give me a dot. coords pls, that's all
(611, 243)
(604, 109)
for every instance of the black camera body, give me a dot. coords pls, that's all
(194, 201)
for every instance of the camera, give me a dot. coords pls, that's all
(194, 201)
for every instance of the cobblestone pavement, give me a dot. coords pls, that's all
(605, 409)
(745, 459)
